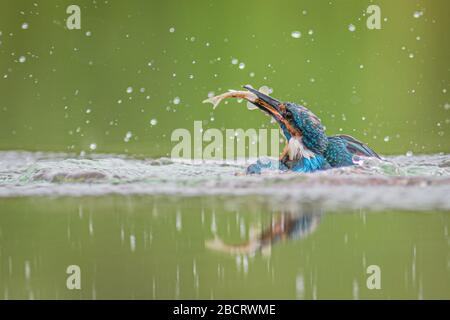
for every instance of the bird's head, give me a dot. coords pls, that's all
(295, 121)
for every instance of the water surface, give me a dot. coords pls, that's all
(164, 248)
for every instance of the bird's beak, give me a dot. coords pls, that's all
(271, 106)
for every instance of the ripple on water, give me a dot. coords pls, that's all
(404, 182)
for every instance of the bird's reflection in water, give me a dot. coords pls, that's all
(284, 226)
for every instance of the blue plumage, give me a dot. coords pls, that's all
(342, 149)
(266, 164)
(310, 164)
(312, 130)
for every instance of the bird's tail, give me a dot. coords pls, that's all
(356, 147)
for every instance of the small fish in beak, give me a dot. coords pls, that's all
(247, 95)
(257, 99)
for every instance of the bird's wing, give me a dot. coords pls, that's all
(357, 147)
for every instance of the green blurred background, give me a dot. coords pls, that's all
(387, 87)
(137, 70)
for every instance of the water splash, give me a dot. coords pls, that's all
(402, 182)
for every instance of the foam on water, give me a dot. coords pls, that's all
(414, 183)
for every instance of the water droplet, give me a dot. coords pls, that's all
(241, 65)
(88, 111)
(252, 74)
(178, 222)
(296, 34)
(171, 29)
(22, 59)
(234, 61)
(88, 33)
(411, 55)
(128, 136)
(27, 269)
(310, 32)
(245, 264)
(153, 122)
(129, 89)
(386, 139)
(132, 242)
(351, 27)
(266, 90)
(417, 14)
(409, 153)
(361, 66)
(24, 26)
(176, 100)
(93, 146)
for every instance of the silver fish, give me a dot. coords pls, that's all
(247, 95)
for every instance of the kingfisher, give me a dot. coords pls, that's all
(286, 226)
(307, 148)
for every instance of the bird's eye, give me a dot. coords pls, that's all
(288, 115)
